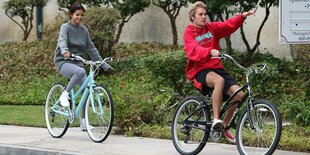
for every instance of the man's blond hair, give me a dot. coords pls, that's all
(195, 6)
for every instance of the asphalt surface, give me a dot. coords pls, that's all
(16, 140)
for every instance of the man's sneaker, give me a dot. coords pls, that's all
(64, 99)
(83, 125)
(217, 125)
(229, 136)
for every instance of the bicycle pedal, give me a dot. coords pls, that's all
(216, 135)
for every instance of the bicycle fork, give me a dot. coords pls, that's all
(250, 113)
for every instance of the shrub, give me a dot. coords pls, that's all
(23, 61)
(297, 110)
(129, 63)
(170, 67)
(142, 49)
(101, 23)
(301, 55)
(136, 98)
(51, 31)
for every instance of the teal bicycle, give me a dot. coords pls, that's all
(99, 111)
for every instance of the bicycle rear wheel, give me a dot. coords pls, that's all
(187, 139)
(99, 114)
(57, 124)
(265, 138)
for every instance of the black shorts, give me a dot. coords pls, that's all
(201, 78)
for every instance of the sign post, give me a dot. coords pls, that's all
(39, 22)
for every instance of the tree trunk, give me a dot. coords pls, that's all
(228, 45)
(119, 31)
(174, 31)
(27, 33)
(25, 36)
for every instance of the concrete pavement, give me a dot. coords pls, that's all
(16, 140)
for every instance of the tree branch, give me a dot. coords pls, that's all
(244, 38)
(127, 18)
(15, 21)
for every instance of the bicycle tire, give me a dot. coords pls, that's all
(267, 135)
(187, 140)
(57, 124)
(99, 116)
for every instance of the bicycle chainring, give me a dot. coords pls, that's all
(71, 116)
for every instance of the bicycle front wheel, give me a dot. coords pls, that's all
(265, 136)
(99, 114)
(56, 122)
(188, 126)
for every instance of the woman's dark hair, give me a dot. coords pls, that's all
(75, 6)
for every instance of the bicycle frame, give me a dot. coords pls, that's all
(247, 98)
(86, 88)
(225, 107)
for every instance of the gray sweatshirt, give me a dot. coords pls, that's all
(76, 40)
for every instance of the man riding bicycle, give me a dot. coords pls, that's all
(201, 43)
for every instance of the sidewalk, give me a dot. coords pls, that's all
(15, 140)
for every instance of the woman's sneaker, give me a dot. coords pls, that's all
(229, 136)
(217, 125)
(64, 99)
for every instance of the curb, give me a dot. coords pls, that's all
(18, 150)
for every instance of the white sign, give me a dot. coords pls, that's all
(294, 21)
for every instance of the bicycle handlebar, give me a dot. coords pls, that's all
(89, 62)
(261, 66)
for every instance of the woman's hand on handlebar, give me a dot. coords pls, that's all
(66, 54)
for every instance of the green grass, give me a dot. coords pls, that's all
(22, 115)
(32, 116)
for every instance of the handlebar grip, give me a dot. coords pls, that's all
(261, 66)
(222, 55)
(72, 56)
(108, 59)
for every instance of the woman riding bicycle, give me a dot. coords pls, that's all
(201, 43)
(74, 39)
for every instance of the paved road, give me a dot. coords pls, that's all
(16, 140)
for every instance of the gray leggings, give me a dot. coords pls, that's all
(77, 76)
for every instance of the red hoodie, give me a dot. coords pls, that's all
(198, 43)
